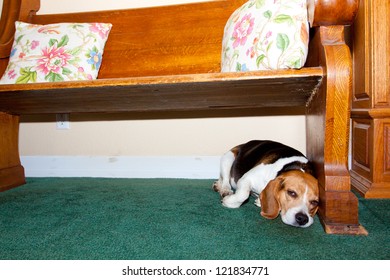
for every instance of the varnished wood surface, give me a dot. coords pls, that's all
(14, 10)
(370, 168)
(332, 12)
(327, 125)
(168, 40)
(286, 88)
(11, 170)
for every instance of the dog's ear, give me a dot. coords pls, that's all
(309, 168)
(270, 206)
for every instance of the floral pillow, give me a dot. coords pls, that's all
(56, 52)
(266, 34)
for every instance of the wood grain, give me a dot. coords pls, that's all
(11, 170)
(327, 124)
(170, 40)
(332, 12)
(371, 103)
(287, 88)
(14, 10)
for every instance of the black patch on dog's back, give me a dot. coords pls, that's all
(248, 155)
(297, 165)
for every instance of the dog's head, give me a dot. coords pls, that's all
(295, 195)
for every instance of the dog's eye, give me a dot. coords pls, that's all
(292, 193)
(314, 203)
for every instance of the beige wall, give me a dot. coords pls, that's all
(175, 137)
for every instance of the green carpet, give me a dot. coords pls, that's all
(87, 218)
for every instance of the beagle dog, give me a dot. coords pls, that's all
(279, 176)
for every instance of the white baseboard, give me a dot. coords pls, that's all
(202, 167)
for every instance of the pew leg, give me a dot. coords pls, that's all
(327, 124)
(11, 170)
(338, 210)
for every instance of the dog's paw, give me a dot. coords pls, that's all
(225, 193)
(216, 186)
(221, 190)
(257, 202)
(230, 201)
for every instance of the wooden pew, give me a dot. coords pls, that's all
(167, 59)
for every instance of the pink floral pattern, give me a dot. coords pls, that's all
(56, 52)
(53, 59)
(99, 28)
(266, 34)
(242, 30)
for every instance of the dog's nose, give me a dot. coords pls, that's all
(301, 219)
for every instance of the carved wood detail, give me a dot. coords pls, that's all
(371, 103)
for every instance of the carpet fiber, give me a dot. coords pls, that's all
(87, 218)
